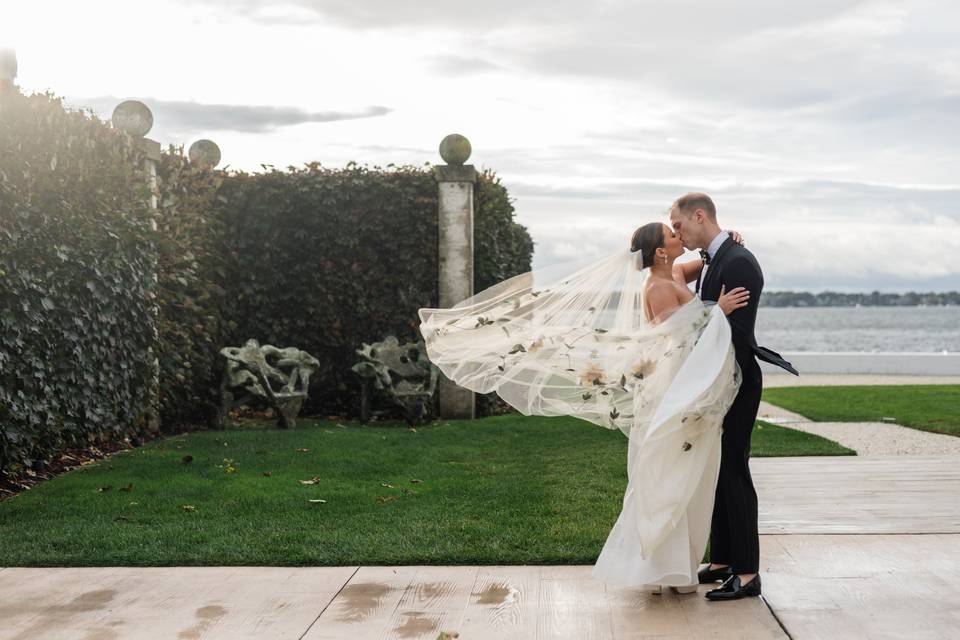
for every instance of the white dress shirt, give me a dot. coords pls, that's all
(712, 249)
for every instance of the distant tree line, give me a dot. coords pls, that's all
(874, 299)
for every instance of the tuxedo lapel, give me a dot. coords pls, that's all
(712, 269)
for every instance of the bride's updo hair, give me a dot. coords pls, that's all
(647, 239)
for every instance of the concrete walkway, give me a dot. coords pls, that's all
(852, 547)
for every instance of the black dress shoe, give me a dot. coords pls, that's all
(708, 575)
(733, 590)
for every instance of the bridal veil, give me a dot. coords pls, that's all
(575, 341)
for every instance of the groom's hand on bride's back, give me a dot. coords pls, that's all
(735, 299)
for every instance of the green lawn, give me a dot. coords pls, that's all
(502, 490)
(771, 440)
(927, 407)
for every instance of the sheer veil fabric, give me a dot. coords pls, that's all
(560, 341)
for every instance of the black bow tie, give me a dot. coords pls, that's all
(705, 256)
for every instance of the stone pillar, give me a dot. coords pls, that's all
(135, 118)
(455, 181)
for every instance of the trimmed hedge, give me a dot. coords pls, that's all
(193, 267)
(329, 259)
(75, 282)
(316, 258)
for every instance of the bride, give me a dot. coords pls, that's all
(624, 344)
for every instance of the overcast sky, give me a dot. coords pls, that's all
(827, 132)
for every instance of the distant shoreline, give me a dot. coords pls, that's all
(763, 303)
(872, 299)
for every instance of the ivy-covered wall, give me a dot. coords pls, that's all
(75, 282)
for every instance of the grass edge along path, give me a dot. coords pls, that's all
(934, 408)
(501, 490)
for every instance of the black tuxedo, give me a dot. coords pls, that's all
(734, 539)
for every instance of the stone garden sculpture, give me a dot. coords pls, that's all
(401, 373)
(278, 376)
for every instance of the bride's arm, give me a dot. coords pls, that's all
(687, 272)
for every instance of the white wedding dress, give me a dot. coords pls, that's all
(673, 458)
(578, 344)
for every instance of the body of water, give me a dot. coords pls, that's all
(863, 329)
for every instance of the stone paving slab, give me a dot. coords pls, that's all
(858, 494)
(184, 603)
(344, 603)
(881, 587)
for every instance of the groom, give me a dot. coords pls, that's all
(734, 541)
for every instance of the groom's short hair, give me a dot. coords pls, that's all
(689, 203)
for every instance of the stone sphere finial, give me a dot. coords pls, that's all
(8, 64)
(455, 149)
(132, 116)
(204, 152)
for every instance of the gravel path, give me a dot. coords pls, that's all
(836, 379)
(867, 438)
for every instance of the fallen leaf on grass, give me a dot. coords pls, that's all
(414, 480)
(313, 480)
(408, 491)
(303, 450)
(188, 507)
(386, 484)
(127, 488)
(386, 498)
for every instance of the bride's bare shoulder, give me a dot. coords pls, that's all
(663, 287)
(658, 285)
(661, 295)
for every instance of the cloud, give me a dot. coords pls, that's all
(453, 65)
(825, 130)
(184, 116)
(398, 14)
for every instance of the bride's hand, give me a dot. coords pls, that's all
(736, 236)
(730, 302)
